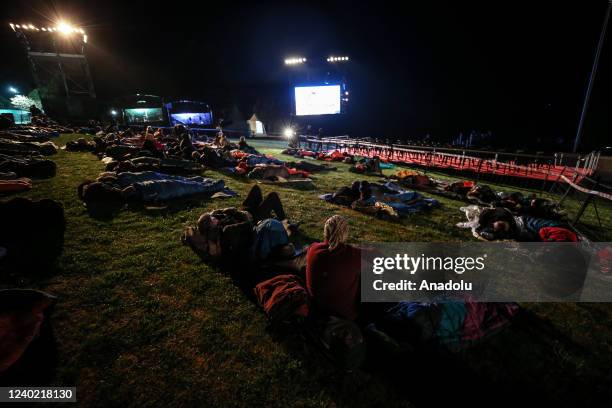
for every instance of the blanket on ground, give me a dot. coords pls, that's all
(43, 148)
(24, 137)
(389, 200)
(153, 186)
(15, 185)
(28, 166)
(310, 167)
(334, 155)
(80, 145)
(521, 227)
(455, 324)
(166, 165)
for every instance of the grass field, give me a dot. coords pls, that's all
(141, 321)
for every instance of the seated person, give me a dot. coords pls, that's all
(152, 145)
(159, 134)
(242, 143)
(245, 147)
(373, 165)
(178, 130)
(332, 271)
(186, 146)
(220, 140)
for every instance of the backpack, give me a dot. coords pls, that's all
(343, 341)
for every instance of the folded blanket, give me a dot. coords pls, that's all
(282, 297)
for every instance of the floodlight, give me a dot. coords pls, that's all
(13, 89)
(294, 61)
(289, 133)
(113, 112)
(64, 28)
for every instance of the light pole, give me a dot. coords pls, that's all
(587, 96)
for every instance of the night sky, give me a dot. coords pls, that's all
(514, 68)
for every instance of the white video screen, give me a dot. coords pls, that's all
(317, 100)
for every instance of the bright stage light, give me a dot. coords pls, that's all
(113, 112)
(13, 89)
(288, 133)
(294, 61)
(64, 28)
(336, 59)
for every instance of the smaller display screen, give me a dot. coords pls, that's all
(143, 115)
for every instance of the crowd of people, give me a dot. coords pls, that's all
(317, 286)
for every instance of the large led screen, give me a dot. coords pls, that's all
(195, 118)
(143, 115)
(317, 100)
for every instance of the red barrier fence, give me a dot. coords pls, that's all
(532, 167)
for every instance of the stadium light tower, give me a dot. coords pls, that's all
(335, 59)
(58, 64)
(295, 61)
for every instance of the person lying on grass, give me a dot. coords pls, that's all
(258, 231)
(499, 223)
(146, 186)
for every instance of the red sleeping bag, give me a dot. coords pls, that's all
(557, 234)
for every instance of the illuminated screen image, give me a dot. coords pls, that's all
(317, 100)
(20, 116)
(191, 118)
(143, 115)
